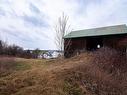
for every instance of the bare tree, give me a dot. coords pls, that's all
(61, 29)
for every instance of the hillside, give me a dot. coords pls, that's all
(80, 75)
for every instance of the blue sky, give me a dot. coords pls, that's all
(30, 23)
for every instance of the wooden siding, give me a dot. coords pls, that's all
(118, 42)
(76, 45)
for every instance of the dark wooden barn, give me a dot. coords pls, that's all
(92, 39)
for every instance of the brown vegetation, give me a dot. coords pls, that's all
(6, 65)
(93, 73)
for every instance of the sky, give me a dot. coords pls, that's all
(30, 23)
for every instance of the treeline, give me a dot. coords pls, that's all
(16, 51)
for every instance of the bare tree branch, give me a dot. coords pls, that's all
(61, 29)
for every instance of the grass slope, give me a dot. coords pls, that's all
(74, 76)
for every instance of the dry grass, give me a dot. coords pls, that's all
(104, 74)
(86, 74)
(9, 65)
(6, 65)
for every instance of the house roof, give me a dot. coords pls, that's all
(109, 30)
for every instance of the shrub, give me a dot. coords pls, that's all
(101, 72)
(108, 69)
(109, 59)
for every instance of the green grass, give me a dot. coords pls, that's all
(22, 66)
(72, 89)
(10, 65)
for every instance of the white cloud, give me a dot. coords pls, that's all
(29, 23)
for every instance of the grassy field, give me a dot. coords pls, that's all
(74, 76)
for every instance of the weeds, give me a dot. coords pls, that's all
(102, 72)
(6, 65)
(105, 74)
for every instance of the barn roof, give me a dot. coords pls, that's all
(109, 30)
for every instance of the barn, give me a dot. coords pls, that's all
(92, 39)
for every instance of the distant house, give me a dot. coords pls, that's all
(92, 39)
(40, 56)
(49, 54)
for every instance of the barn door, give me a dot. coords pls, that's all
(94, 43)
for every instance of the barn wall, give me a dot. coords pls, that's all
(118, 42)
(76, 45)
(110, 42)
(123, 42)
